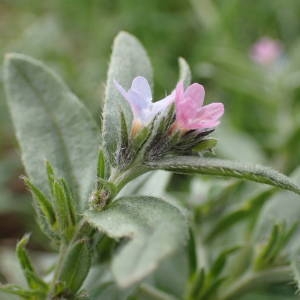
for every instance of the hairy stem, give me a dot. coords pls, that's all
(62, 252)
(82, 230)
(120, 179)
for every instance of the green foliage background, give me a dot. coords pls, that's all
(74, 37)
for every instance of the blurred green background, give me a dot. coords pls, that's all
(74, 37)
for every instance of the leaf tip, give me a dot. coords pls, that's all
(8, 56)
(126, 37)
(12, 57)
(124, 34)
(181, 60)
(11, 62)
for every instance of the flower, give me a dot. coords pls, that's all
(266, 51)
(190, 112)
(139, 97)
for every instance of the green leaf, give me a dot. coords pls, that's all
(64, 209)
(70, 203)
(167, 278)
(149, 292)
(230, 138)
(250, 207)
(75, 266)
(227, 168)
(23, 293)
(51, 124)
(22, 253)
(110, 290)
(212, 289)
(206, 145)
(192, 253)
(128, 60)
(279, 238)
(102, 171)
(282, 208)
(43, 203)
(155, 229)
(51, 176)
(184, 72)
(196, 284)
(124, 155)
(296, 269)
(32, 278)
(37, 283)
(220, 262)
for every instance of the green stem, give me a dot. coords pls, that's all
(83, 229)
(62, 252)
(120, 179)
(255, 280)
(109, 189)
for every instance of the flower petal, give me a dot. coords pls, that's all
(208, 117)
(213, 111)
(188, 104)
(179, 93)
(195, 93)
(122, 91)
(180, 104)
(137, 100)
(141, 86)
(162, 104)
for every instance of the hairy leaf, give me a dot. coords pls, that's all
(248, 209)
(155, 229)
(128, 60)
(21, 292)
(75, 266)
(282, 208)
(296, 270)
(51, 124)
(32, 278)
(42, 202)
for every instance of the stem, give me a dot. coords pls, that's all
(252, 281)
(81, 230)
(109, 189)
(62, 252)
(120, 179)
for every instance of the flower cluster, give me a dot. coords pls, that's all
(190, 112)
(183, 121)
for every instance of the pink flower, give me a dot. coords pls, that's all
(190, 112)
(266, 51)
(139, 97)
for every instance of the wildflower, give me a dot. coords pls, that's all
(266, 51)
(139, 97)
(190, 112)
